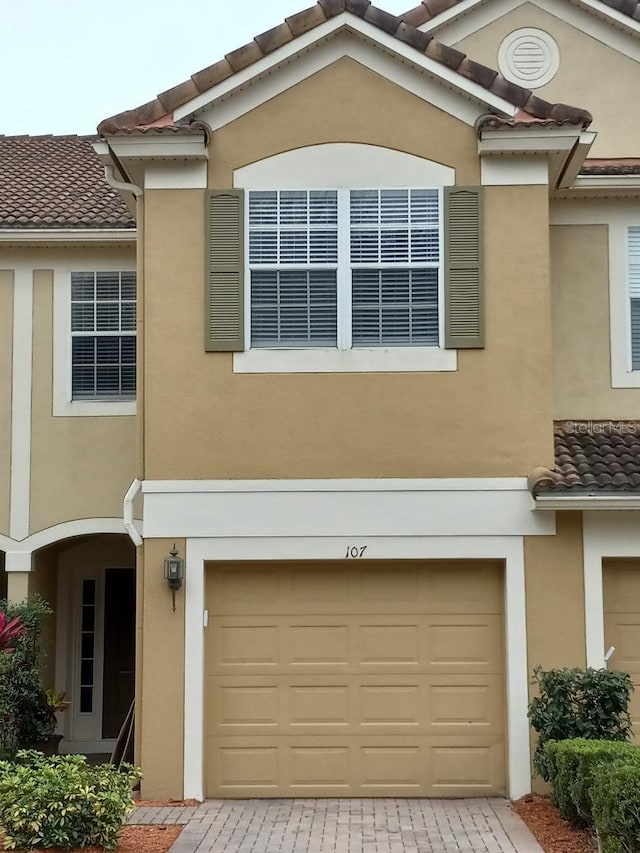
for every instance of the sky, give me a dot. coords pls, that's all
(67, 64)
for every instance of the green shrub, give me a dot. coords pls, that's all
(579, 703)
(61, 801)
(572, 765)
(616, 807)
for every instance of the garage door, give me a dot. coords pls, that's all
(355, 679)
(622, 624)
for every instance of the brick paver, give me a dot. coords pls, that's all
(345, 826)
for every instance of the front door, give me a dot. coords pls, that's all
(101, 664)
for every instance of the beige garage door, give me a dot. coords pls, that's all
(622, 624)
(355, 679)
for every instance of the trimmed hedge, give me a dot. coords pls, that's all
(572, 766)
(61, 801)
(616, 806)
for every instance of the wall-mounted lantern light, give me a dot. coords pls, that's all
(174, 572)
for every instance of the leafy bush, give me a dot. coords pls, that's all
(572, 765)
(579, 703)
(63, 802)
(616, 806)
(25, 715)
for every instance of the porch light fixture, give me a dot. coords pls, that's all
(174, 572)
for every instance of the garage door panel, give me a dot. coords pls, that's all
(392, 704)
(622, 587)
(621, 593)
(361, 766)
(355, 679)
(464, 766)
(465, 644)
(474, 588)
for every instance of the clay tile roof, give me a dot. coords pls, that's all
(592, 456)
(160, 110)
(427, 10)
(56, 182)
(624, 166)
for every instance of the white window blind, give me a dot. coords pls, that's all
(103, 335)
(344, 267)
(634, 293)
(293, 257)
(395, 256)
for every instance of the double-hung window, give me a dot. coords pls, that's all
(345, 268)
(103, 335)
(633, 236)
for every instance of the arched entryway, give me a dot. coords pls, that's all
(91, 583)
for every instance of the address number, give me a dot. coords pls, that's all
(355, 552)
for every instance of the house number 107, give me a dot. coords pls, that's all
(354, 552)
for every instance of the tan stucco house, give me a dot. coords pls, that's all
(352, 319)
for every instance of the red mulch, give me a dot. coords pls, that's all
(134, 839)
(553, 833)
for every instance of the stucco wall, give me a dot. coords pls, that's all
(81, 467)
(581, 334)
(490, 418)
(554, 580)
(617, 125)
(160, 711)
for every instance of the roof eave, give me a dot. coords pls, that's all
(587, 500)
(67, 236)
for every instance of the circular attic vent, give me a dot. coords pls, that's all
(529, 58)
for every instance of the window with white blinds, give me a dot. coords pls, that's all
(634, 293)
(103, 335)
(344, 268)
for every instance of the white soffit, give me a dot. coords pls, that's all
(589, 16)
(350, 36)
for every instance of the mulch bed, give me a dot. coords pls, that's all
(134, 839)
(553, 833)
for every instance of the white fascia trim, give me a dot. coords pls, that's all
(514, 171)
(603, 535)
(361, 360)
(588, 502)
(68, 235)
(576, 158)
(538, 140)
(606, 182)
(316, 37)
(507, 548)
(461, 484)
(67, 530)
(22, 369)
(63, 404)
(588, 16)
(451, 14)
(190, 175)
(127, 512)
(303, 510)
(192, 147)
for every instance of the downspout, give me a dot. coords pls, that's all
(124, 186)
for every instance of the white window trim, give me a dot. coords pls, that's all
(618, 218)
(622, 376)
(63, 403)
(343, 166)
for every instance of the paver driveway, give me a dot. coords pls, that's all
(347, 826)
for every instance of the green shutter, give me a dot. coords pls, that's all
(464, 297)
(225, 271)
